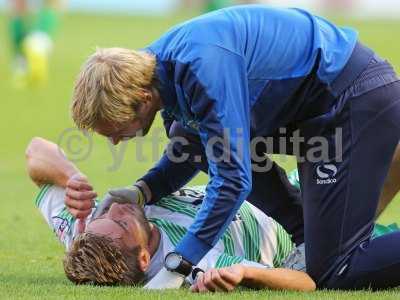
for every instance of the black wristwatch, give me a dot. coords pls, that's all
(174, 262)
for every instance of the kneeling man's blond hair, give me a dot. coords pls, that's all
(110, 85)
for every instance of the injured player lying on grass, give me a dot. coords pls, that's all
(126, 244)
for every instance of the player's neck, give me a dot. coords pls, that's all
(154, 240)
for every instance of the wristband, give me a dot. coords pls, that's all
(142, 199)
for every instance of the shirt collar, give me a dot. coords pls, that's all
(166, 86)
(156, 261)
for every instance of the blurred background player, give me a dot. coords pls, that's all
(32, 27)
(211, 5)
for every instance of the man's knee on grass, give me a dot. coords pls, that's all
(96, 259)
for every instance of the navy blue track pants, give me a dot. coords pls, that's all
(334, 214)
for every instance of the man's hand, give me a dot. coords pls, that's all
(226, 279)
(130, 194)
(214, 280)
(79, 197)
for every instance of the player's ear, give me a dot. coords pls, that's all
(147, 96)
(145, 104)
(144, 259)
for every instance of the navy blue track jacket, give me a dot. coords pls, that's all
(239, 72)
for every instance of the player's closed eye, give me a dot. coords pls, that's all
(122, 224)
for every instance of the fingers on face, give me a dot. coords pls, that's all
(79, 214)
(79, 204)
(122, 196)
(81, 226)
(79, 185)
(117, 199)
(80, 195)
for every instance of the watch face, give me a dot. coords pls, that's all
(172, 261)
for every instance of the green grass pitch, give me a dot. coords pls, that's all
(30, 256)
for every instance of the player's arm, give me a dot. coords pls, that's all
(157, 183)
(218, 100)
(220, 104)
(227, 279)
(46, 163)
(158, 180)
(277, 279)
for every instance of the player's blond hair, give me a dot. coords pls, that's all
(110, 86)
(96, 259)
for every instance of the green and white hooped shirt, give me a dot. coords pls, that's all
(252, 238)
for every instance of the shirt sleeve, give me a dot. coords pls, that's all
(50, 202)
(167, 177)
(159, 179)
(215, 85)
